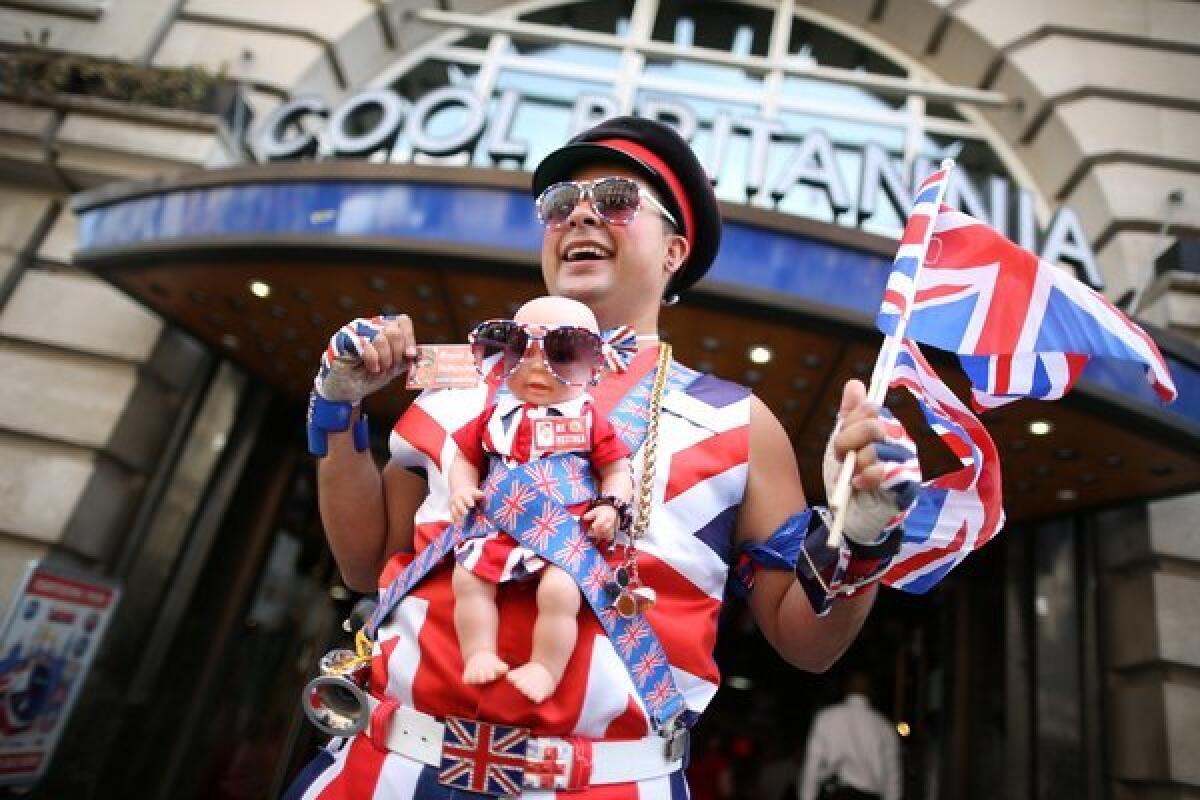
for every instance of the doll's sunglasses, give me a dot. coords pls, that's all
(572, 354)
(615, 200)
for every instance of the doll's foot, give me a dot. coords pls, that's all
(533, 680)
(483, 667)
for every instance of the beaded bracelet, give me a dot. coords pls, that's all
(624, 513)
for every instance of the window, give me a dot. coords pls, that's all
(762, 101)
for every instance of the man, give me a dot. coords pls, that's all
(853, 750)
(631, 221)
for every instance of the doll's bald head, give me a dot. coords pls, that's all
(551, 311)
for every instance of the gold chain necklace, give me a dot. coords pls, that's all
(649, 454)
(631, 596)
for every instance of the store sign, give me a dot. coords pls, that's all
(53, 629)
(288, 134)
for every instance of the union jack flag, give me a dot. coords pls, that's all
(955, 513)
(898, 296)
(1021, 327)
(641, 411)
(482, 757)
(492, 482)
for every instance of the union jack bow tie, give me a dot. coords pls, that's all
(619, 348)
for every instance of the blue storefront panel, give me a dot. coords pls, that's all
(771, 262)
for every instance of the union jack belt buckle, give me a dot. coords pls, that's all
(483, 757)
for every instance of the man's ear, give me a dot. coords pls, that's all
(677, 253)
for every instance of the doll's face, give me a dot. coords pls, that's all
(532, 381)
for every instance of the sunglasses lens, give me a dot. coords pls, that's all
(616, 200)
(555, 204)
(572, 354)
(500, 341)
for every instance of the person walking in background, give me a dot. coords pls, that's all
(853, 750)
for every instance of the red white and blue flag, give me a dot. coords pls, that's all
(902, 282)
(482, 757)
(1021, 326)
(955, 513)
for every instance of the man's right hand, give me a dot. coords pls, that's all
(363, 356)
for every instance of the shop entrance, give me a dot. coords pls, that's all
(224, 721)
(937, 670)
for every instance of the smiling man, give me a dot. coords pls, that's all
(631, 222)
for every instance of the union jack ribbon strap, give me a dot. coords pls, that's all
(619, 348)
(544, 526)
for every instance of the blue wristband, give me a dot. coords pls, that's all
(327, 416)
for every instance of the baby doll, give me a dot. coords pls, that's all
(549, 353)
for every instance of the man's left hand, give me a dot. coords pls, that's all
(887, 475)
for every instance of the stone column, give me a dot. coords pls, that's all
(1150, 590)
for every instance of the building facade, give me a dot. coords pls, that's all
(194, 194)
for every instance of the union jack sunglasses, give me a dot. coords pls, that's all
(572, 354)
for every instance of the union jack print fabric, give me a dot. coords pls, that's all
(700, 479)
(955, 513)
(1021, 327)
(339, 378)
(350, 339)
(901, 286)
(902, 468)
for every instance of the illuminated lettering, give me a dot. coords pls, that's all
(305, 128)
(814, 164)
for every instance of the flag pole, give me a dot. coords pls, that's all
(882, 374)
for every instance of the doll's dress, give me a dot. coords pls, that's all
(504, 431)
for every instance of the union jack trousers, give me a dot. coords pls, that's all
(698, 486)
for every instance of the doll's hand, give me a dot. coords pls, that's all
(602, 523)
(461, 503)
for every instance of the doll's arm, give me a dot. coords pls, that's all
(616, 479)
(464, 487)
(616, 482)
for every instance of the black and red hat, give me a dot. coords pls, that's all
(658, 153)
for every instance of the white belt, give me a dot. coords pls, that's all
(551, 762)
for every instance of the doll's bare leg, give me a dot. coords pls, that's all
(554, 635)
(476, 622)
